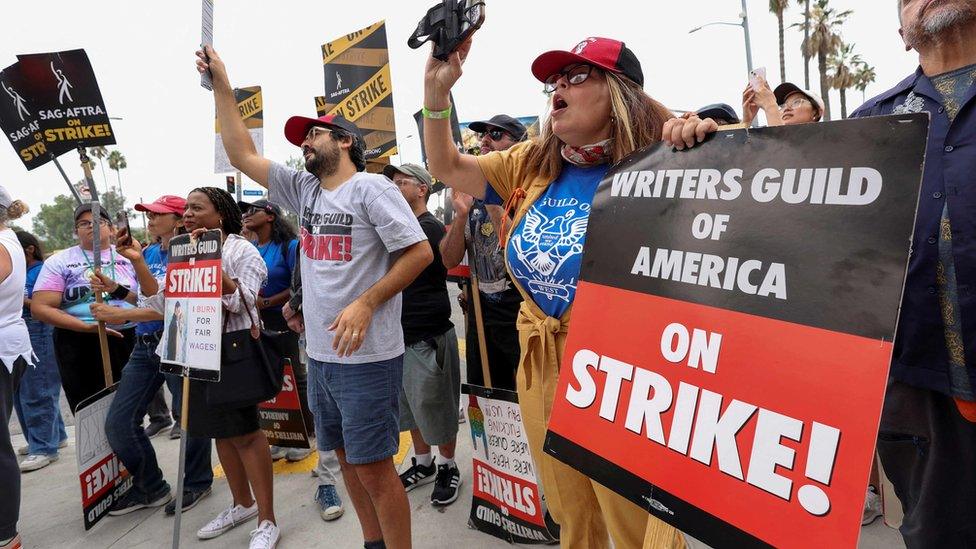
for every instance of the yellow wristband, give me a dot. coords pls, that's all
(437, 115)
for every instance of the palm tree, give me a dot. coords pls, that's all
(806, 38)
(863, 75)
(824, 41)
(100, 153)
(116, 161)
(842, 65)
(779, 7)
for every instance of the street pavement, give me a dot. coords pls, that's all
(51, 515)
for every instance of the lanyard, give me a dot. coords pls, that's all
(91, 264)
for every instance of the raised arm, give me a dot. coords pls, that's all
(452, 245)
(237, 140)
(445, 162)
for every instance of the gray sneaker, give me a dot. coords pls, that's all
(278, 452)
(297, 454)
(175, 432)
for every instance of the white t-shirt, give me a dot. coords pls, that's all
(14, 338)
(348, 240)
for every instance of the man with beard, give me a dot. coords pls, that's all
(927, 439)
(361, 245)
(477, 226)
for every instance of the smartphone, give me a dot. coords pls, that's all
(123, 233)
(756, 77)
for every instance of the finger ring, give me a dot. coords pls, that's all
(355, 334)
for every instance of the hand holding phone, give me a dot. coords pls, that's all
(757, 77)
(123, 234)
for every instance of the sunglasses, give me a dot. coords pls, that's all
(495, 135)
(254, 209)
(575, 75)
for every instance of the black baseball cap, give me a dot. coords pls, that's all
(719, 111)
(87, 207)
(266, 205)
(503, 122)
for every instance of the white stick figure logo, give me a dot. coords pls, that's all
(338, 80)
(18, 101)
(63, 84)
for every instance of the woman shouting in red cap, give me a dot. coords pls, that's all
(599, 114)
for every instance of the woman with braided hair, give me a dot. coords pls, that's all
(241, 445)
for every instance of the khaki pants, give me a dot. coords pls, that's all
(588, 513)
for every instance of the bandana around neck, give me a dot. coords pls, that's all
(588, 155)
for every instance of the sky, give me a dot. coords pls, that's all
(142, 54)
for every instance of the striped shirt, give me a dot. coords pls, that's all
(243, 263)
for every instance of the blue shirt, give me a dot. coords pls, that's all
(921, 356)
(280, 262)
(546, 248)
(156, 258)
(32, 272)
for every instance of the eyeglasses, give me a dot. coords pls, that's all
(575, 75)
(795, 104)
(88, 224)
(402, 181)
(314, 131)
(495, 135)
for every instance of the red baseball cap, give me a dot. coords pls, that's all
(606, 53)
(297, 127)
(166, 204)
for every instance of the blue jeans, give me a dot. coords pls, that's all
(37, 401)
(141, 379)
(357, 407)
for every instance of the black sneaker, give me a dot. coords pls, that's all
(190, 500)
(417, 475)
(446, 487)
(133, 501)
(157, 428)
(175, 432)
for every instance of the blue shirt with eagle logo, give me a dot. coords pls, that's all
(545, 250)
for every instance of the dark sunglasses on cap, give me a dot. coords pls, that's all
(575, 75)
(494, 134)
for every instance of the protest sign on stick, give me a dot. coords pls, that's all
(206, 39)
(102, 476)
(250, 103)
(281, 418)
(733, 325)
(192, 327)
(506, 501)
(192, 331)
(51, 104)
(358, 87)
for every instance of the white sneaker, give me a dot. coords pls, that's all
(227, 519)
(34, 462)
(872, 507)
(266, 536)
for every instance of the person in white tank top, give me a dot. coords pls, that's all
(15, 356)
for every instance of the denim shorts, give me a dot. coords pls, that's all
(357, 407)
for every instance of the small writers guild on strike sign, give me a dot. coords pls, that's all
(192, 320)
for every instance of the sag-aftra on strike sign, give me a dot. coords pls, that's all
(752, 285)
(50, 104)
